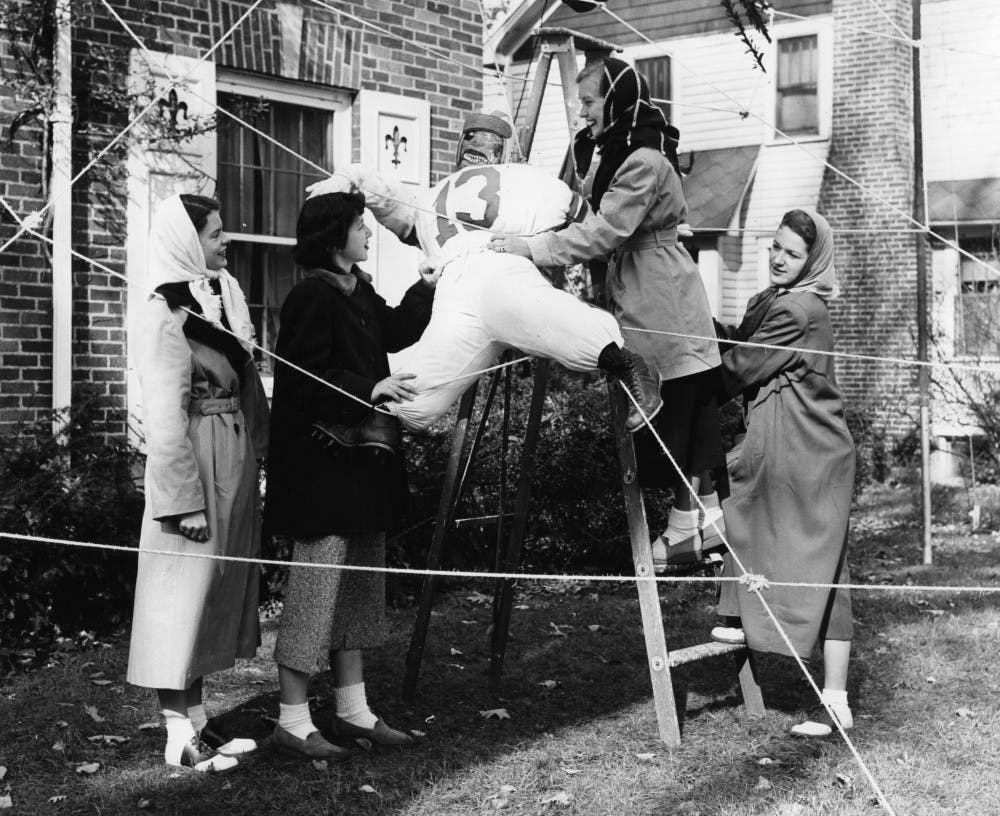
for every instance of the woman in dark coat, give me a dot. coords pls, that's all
(334, 497)
(792, 478)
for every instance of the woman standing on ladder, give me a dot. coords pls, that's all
(792, 477)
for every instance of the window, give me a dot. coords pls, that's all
(797, 82)
(978, 307)
(262, 186)
(657, 73)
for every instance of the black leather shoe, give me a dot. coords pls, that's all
(312, 747)
(379, 430)
(644, 386)
(380, 733)
(215, 738)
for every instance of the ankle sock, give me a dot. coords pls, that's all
(352, 706)
(295, 719)
(179, 733)
(836, 699)
(682, 524)
(198, 717)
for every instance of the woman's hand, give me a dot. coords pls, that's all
(511, 244)
(394, 388)
(430, 271)
(194, 526)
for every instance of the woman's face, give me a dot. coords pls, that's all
(788, 256)
(214, 242)
(356, 247)
(592, 104)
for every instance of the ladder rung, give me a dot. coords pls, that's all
(481, 521)
(689, 654)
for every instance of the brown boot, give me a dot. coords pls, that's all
(644, 385)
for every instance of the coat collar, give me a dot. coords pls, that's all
(345, 283)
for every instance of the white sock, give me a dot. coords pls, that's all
(352, 706)
(296, 720)
(712, 513)
(198, 717)
(682, 524)
(837, 700)
(179, 733)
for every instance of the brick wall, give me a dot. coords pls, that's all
(337, 50)
(873, 144)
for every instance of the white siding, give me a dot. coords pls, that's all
(961, 93)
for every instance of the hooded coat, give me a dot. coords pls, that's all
(205, 424)
(792, 478)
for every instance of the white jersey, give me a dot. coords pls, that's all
(464, 209)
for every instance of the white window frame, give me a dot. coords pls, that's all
(822, 29)
(652, 51)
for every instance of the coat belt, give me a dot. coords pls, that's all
(649, 240)
(220, 405)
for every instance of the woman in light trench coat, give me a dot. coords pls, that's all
(205, 421)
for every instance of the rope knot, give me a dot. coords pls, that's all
(754, 583)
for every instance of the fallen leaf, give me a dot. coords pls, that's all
(549, 684)
(58, 745)
(762, 784)
(594, 627)
(844, 780)
(458, 666)
(149, 726)
(571, 771)
(52, 800)
(96, 675)
(319, 764)
(507, 789)
(522, 607)
(456, 652)
(965, 712)
(931, 680)
(143, 804)
(104, 682)
(6, 803)
(108, 739)
(558, 797)
(498, 713)
(367, 789)
(92, 711)
(557, 631)
(3, 772)
(417, 733)
(88, 767)
(764, 761)
(478, 598)
(430, 719)
(470, 622)
(645, 757)
(60, 724)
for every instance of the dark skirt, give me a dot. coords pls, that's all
(688, 424)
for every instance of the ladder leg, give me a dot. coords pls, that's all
(445, 516)
(503, 598)
(649, 596)
(753, 699)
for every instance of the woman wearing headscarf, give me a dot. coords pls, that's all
(653, 286)
(792, 477)
(205, 420)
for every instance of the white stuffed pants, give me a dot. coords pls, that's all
(485, 303)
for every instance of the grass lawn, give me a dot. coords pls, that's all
(580, 732)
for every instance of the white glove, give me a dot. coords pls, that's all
(339, 182)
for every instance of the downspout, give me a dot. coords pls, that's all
(61, 196)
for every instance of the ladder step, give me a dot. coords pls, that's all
(689, 654)
(480, 521)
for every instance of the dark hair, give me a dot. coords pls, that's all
(198, 208)
(323, 224)
(799, 222)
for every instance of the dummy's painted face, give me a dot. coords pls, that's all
(788, 255)
(356, 248)
(592, 104)
(480, 147)
(214, 242)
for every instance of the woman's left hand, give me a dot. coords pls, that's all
(430, 271)
(510, 244)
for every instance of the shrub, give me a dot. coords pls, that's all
(79, 486)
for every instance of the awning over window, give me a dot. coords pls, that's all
(964, 201)
(718, 181)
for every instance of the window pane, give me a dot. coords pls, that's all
(798, 71)
(657, 73)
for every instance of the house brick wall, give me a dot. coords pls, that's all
(873, 145)
(366, 59)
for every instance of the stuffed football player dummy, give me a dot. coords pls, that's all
(488, 302)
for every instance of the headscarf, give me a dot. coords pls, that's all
(818, 276)
(176, 256)
(631, 121)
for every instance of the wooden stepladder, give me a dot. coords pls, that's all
(465, 441)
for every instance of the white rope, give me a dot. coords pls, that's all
(746, 578)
